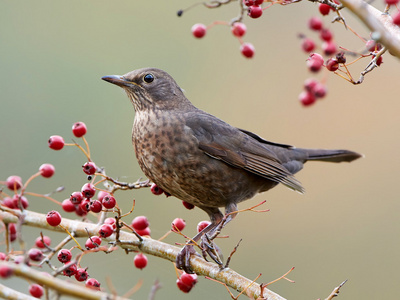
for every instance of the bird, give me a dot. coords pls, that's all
(200, 159)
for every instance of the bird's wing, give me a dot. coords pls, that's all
(221, 141)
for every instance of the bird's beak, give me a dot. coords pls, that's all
(118, 80)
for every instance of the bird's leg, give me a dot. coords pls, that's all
(207, 244)
(183, 257)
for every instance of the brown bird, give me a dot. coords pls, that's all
(200, 159)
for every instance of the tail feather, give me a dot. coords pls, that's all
(332, 155)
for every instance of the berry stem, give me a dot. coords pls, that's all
(43, 196)
(87, 147)
(165, 235)
(72, 237)
(80, 147)
(28, 181)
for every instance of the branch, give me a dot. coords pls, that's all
(149, 246)
(10, 294)
(381, 25)
(59, 285)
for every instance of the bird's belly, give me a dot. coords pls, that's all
(171, 159)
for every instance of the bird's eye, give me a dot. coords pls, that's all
(148, 78)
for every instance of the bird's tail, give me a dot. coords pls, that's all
(332, 155)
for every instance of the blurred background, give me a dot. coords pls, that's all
(346, 226)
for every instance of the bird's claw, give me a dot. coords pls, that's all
(183, 258)
(210, 248)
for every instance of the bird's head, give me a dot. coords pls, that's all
(150, 88)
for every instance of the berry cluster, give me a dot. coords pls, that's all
(89, 201)
(334, 61)
(238, 30)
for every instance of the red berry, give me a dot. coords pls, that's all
(68, 206)
(89, 168)
(81, 274)
(202, 225)
(156, 190)
(53, 218)
(372, 46)
(93, 284)
(88, 190)
(35, 254)
(306, 98)
(178, 224)
(143, 232)
(36, 290)
(5, 271)
(84, 205)
(101, 195)
(238, 29)
(79, 129)
(93, 242)
(329, 48)
(310, 84)
(199, 30)
(324, 9)
(95, 206)
(189, 279)
(140, 223)
(39, 241)
(47, 170)
(64, 256)
(14, 182)
(396, 19)
(320, 90)
(70, 271)
(20, 200)
(255, 11)
(308, 45)
(391, 2)
(13, 237)
(314, 65)
(12, 229)
(109, 201)
(315, 23)
(187, 205)
(56, 142)
(111, 221)
(3, 256)
(332, 64)
(186, 282)
(8, 202)
(76, 197)
(379, 61)
(248, 2)
(80, 211)
(183, 287)
(326, 35)
(317, 57)
(140, 261)
(247, 50)
(106, 230)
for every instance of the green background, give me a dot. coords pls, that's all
(53, 54)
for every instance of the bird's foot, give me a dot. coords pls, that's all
(183, 258)
(209, 247)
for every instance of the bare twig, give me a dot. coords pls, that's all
(335, 291)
